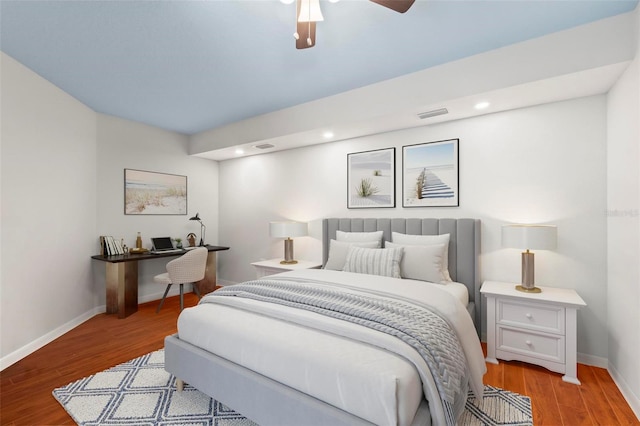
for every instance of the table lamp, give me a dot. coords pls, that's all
(529, 237)
(202, 228)
(287, 230)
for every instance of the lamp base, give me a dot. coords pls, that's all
(528, 290)
(288, 253)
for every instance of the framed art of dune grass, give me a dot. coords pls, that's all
(154, 193)
(371, 179)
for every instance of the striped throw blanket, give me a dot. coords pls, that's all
(425, 331)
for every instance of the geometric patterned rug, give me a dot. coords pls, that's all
(141, 392)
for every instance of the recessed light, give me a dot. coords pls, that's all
(482, 105)
(239, 151)
(327, 135)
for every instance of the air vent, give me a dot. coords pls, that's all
(433, 113)
(265, 146)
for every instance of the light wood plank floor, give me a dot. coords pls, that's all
(104, 341)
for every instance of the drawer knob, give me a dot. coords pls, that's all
(528, 315)
(528, 342)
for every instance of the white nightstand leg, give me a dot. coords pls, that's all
(571, 362)
(491, 330)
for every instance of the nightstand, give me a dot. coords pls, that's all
(273, 266)
(539, 328)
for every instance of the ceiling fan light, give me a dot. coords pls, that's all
(310, 11)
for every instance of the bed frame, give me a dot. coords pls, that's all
(271, 403)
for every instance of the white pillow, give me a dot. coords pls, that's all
(338, 253)
(374, 261)
(422, 263)
(358, 237)
(426, 240)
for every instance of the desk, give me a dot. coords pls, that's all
(122, 278)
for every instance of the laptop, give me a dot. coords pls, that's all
(163, 245)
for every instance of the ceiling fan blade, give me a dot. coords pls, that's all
(398, 5)
(305, 31)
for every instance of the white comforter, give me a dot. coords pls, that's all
(398, 358)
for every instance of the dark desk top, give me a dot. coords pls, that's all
(148, 255)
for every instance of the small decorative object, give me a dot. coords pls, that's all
(430, 174)
(191, 238)
(139, 241)
(371, 179)
(178, 242)
(540, 237)
(202, 228)
(287, 230)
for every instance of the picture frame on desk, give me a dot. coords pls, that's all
(154, 193)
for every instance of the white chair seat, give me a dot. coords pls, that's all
(188, 268)
(163, 279)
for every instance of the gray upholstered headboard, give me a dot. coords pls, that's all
(464, 245)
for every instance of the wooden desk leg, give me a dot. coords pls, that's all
(208, 283)
(122, 288)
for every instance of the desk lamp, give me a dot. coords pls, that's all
(202, 228)
(528, 237)
(287, 230)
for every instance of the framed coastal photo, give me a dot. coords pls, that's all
(371, 179)
(430, 174)
(154, 193)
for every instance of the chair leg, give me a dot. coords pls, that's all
(163, 297)
(181, 297)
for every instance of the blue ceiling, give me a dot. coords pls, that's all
(190, 66)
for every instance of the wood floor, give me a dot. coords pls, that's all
(104, 341)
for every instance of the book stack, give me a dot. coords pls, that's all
(109, 246)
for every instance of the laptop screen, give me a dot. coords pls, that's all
(162, 243)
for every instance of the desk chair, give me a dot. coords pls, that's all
(188, 268)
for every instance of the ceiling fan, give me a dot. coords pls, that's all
(308, 13)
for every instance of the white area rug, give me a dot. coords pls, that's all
(141, 392)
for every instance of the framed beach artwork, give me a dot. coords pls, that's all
(430, 174)
(371, 179)
(154, 193)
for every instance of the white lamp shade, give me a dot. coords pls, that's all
(530, 237)
(287, 229)
(310, 11)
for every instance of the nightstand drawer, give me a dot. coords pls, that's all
(548, 318)
(542, 346)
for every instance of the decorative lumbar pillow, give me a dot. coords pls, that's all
(338, 252)
(385, 262)
(358, 237)
(424, 263)
(426, 240)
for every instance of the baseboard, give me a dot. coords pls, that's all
(632, 399)
(173, 291)
(33, 346)
(592, 360)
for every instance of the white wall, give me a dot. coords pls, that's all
(623, 224)
(543, 164)
(62, 186)
(48, 210)
(127, 144)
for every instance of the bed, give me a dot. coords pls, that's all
(309, 368)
